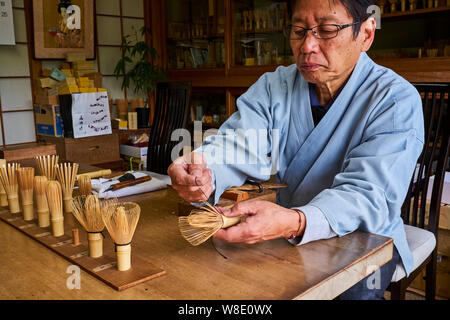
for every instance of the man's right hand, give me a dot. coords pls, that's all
(191, 179)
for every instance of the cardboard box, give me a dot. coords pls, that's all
(48, 120)
(119, 124)
(137, 152)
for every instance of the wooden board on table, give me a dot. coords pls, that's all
(103, 268)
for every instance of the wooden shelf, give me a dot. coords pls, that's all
(419, 69)
(414, 12)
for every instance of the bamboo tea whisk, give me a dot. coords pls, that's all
(9, 180)
(46, 165)
(26, 181)
(3, 197)
(87, 210)
(85, 185)
(55, 204)
(121, 221)
(203, 222)
(40, 187)
(66, 174)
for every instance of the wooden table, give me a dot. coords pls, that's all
(269, 270)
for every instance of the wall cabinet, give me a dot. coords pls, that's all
(223, 46)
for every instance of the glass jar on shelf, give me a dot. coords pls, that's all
(258, 33)
(195, 34)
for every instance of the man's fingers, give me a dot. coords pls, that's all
(243, 208)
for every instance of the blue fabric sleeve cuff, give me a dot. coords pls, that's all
(317, 226)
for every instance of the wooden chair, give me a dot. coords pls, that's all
(171, 111)
(422, 227)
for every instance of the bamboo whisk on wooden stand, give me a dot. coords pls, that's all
(121, 221)
(85, 185)
(3, 197)
(55, 204)
(46, 165)
(26, 181)
(87, 210)
(9, 180)
(40, 187)
(203, 222)
(66, 174)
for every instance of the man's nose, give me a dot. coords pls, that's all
(310, 43)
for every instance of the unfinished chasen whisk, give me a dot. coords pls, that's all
(203, 222)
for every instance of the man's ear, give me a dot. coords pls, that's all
(367, 33)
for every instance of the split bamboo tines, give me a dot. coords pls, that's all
(87, 210)
(9, 180)
(46, 165)
(203, 222)
(26, 180)
(3, 197)
(85, 185)
(121, 221)
(55, 205)
(40, 188)
(66, 174)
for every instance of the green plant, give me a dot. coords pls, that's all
(136, 64)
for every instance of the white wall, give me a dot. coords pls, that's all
(15, 94)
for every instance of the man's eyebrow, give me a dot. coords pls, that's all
(319, 20)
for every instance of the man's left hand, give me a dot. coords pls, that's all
(265, 220)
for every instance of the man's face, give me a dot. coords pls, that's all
(321, 60)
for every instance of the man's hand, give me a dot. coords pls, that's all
(265, 220)
(191, 179)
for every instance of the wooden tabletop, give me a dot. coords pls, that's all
(270, 270)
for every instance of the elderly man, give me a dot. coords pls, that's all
(350, 132)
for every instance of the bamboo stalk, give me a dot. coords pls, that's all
(9, 179)
(95, 174)
(26, 181)
(54, 198)
(40, 186)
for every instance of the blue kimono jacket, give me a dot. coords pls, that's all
(354, 167)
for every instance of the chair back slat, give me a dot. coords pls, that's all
(433, 159)
(171, 110)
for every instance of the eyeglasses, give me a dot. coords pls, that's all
(324, 31)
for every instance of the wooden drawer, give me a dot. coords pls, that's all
(26, 151)
(91, 150)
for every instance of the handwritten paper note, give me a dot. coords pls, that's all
(90, 114)
(6, 23)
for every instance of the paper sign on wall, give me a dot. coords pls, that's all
(90, 114)
(6, 23)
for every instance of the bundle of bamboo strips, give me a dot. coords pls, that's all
(26, 181)
(40, 187)
(85, 185)
(9, 180)
(3, 197)
(46, 165)
(54, 199)
(121, 221)
(66, 173)
(87, 210)
(203, 222)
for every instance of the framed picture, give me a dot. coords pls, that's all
(62, 26)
